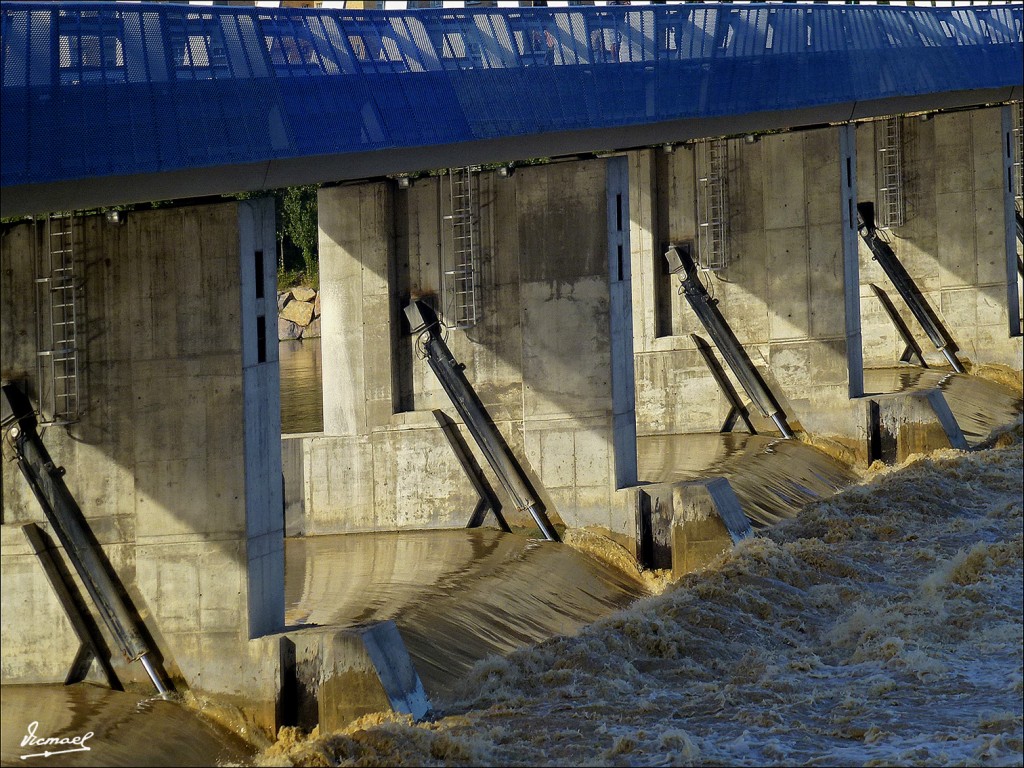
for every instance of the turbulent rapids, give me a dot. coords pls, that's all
(881, 626)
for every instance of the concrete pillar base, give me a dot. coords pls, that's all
(332, 677)
(706, 521)
(906, 423)
(370, 672)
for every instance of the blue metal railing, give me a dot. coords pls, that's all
(94, 89)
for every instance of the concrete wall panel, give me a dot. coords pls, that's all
(782, 177)
(565, 347)
(953, 241)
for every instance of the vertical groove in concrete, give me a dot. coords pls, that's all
(851, 259)
(629, 204)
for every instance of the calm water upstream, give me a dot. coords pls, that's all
(302, 407)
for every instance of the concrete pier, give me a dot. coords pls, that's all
(175, 459)
(707, 520)
(903, 424)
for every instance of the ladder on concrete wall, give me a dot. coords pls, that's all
(57, 305)
(712, 161)
(461, 250)
(891, 210)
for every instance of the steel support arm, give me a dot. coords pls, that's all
(724, 339)
(69, 524)
(904, 284)
(423, 321)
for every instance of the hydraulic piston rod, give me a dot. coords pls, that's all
(904, 283)
(423, 321)
(71, 529)
(725, 340)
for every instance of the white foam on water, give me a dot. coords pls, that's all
(882, 626)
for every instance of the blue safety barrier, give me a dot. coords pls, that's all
(99, 89)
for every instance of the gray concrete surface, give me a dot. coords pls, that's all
(707, 520)
(908, 423)
(176, 459)
(796, 293)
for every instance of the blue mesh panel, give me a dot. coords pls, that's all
(102, 89)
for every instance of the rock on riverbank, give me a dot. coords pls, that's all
(298, 314)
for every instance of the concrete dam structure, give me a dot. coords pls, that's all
(667, 324)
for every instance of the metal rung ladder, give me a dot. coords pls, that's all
(57, 300)
(461, 251)
(891, 209)
(712, 160)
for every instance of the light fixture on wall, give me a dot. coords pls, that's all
(115, 217)
(506, 171)
(668, 148)
(751, 138)
(404, 182)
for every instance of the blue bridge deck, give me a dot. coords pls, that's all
(136, 97)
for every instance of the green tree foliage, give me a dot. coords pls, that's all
(298, 222)
(295, 212)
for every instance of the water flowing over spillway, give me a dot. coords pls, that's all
(870, 622)
(881, 626)
(456, 596)
(772, 477)
(979, 405)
